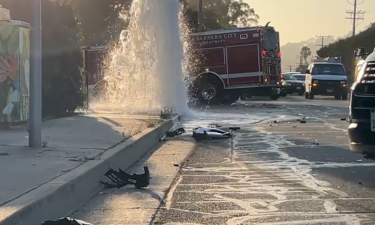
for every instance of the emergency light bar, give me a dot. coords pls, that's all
(330, 59)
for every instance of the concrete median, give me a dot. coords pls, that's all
(61, 196)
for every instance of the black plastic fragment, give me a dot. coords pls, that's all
(174, 133)
(65, 221)
(121, 179)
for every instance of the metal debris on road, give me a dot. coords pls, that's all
(201, 133)
(66, 221)
(121, 179)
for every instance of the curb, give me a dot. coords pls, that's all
(61, 196)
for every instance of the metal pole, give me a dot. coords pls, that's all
(200, 16)
(35, 111)
(354, 17)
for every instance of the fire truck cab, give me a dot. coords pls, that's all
(237, 62)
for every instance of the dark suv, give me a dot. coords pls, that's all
(361, 129)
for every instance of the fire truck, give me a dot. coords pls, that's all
(236, 62)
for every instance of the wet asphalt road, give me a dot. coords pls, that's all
(276, 173)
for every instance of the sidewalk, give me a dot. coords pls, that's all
(138, 206)
(70, 143)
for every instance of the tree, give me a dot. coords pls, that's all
(218, 14)
(345, 47)
(100, 20)
(305, 53)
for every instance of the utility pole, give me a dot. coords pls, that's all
(322, 38)
(355, 15)
(35, 110)
(200, 16)
(300, 57)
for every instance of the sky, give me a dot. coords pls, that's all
(300, 20)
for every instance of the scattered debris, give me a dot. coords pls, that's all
(275, 122)
(174, 133)
(201, 133)
(234, 128)
(359, 160)
(214, 125)
(176, 165)
(66, 221)
(343, 119)
(122, 179)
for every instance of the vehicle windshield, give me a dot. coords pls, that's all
(299, 77)
(289, 77)
(270, 40)
(328, 69)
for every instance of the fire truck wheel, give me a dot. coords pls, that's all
(209, 94)
(230, 97)
(274, 97)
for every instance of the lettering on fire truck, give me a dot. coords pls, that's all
(215, 39)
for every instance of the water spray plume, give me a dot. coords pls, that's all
(144, 71)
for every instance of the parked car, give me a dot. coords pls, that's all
(291, 84)
(361, 130)
(300, 77)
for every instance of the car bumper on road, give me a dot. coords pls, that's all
(361, 139)
(292, 89)
(330, 91)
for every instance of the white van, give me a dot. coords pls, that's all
(327, 78)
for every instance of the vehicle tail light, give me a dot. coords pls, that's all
(264, 52)
(279, 54)
(281, 76)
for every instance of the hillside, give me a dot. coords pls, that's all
(345, 47)
(290, 51)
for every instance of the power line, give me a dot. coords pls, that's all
(355, 15)
(322, 38)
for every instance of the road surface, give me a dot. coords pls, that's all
(275, 171)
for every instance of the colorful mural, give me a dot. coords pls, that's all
(14, 71)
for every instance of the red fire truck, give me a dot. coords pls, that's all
(236, 62)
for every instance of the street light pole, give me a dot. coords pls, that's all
(200, 16)
(35, 110)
